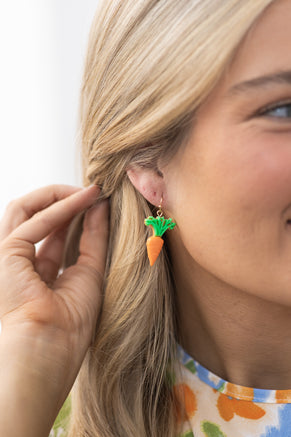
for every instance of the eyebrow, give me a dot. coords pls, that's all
(279, 78)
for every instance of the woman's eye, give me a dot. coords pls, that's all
(282, 111)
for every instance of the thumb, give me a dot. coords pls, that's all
(82, 282)
(94, 239)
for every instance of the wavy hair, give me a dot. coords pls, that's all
(149, 66)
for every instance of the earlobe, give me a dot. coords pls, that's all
(148, 182)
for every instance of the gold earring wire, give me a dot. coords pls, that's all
(159, 211)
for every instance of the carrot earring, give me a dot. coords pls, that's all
(159, 226)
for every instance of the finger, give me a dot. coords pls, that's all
(87, 274)
(94, 238)
(46, 221)
(22, 208)
(50, 254)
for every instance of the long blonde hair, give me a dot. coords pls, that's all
(149, 65)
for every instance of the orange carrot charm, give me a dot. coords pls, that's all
(155, 243)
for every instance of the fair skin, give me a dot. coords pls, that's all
(229, 192)
(47, 319)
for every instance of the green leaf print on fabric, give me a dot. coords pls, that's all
(63, 417)
(187, 434)
(191, 366)
(211, 430)
(221, 388)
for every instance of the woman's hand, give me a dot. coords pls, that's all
(48, 320)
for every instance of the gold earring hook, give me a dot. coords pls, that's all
(159, 211)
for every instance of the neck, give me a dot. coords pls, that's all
(239, 337)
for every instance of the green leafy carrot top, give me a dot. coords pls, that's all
(159, 225)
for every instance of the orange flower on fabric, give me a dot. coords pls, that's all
(239, 391)
(229, 407)
(185, 402)
(283, 396)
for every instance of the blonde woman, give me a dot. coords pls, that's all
(186, 107)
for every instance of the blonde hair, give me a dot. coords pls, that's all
(149, 65)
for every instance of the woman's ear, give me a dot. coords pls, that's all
(149, 182)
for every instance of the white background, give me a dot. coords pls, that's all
(42, 47)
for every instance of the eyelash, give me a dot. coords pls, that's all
(264, 111)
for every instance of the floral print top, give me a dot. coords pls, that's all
(217, 408)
